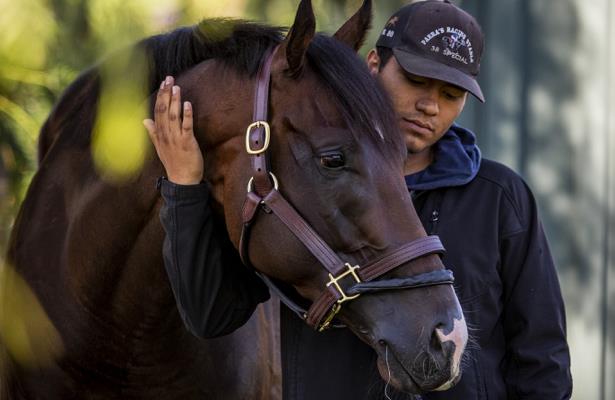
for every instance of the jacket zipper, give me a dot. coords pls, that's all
(435, 217)
(435, 213)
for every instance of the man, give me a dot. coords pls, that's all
(427, 58)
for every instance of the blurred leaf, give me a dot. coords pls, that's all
(25, 330)
(23, 120)
(195, 10)
(54, 78)
(28, 26)
(120, 142)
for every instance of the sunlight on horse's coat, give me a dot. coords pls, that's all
(120, 144)
(25, 330)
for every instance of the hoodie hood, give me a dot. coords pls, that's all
(456, 162)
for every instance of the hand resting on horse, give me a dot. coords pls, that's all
(173, 136)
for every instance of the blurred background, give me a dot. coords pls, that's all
(548, 75)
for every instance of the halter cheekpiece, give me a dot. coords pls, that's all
(346, 281)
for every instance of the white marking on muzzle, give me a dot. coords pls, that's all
(459, 336)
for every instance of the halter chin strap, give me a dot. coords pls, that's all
(346, 282)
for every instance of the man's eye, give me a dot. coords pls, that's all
(416, 81)
(453, 93)
(332, 160)
(452, 96)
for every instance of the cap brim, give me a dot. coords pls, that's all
(432, 69)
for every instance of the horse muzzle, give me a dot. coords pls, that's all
(433, 366)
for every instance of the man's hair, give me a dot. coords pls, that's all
(385, 54)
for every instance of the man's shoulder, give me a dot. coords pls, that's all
(515, 192)
(498, 173)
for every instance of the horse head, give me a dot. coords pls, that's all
(337, 156)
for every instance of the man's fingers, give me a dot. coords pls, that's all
(151, 128)
(175, 111)
(161, 110)
(151, 131)
(187, 122)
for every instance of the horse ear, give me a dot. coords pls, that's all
(299, 37)
(354, 31)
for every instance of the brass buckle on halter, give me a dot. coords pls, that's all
(334, 310)
(255, 125)
(338, 306)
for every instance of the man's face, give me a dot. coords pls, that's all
(426, 108)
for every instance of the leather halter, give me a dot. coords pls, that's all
(346, 282)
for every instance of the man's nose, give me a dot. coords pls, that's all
(428, 104)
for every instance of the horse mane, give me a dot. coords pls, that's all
(240, 45)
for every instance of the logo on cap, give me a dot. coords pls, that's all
(454, 41)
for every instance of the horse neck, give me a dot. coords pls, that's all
(109, 224)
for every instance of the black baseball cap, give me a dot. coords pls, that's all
(437, 40)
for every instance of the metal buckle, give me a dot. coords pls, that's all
(334, 310)
(254, 125)
(338, 305)
(333, 280)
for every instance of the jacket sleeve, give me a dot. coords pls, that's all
(214, 291)
(537, 363)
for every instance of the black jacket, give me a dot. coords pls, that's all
(505, 280)
(507, 286)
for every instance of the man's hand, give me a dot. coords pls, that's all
(174, 138)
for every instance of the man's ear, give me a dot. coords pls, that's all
(373, 62)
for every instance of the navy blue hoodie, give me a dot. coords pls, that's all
(456, 162)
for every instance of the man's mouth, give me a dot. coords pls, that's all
(418, 126)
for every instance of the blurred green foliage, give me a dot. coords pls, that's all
(44, 44)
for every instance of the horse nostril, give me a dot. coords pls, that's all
(436, 340)
(444, 329)
(443, 332)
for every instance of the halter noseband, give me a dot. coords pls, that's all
(346, 282)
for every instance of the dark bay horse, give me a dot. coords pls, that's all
(91, 250)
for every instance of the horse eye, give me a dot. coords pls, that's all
(332, 160)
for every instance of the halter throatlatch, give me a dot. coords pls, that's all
(346, 281)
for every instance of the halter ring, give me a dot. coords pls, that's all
(273, 178)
